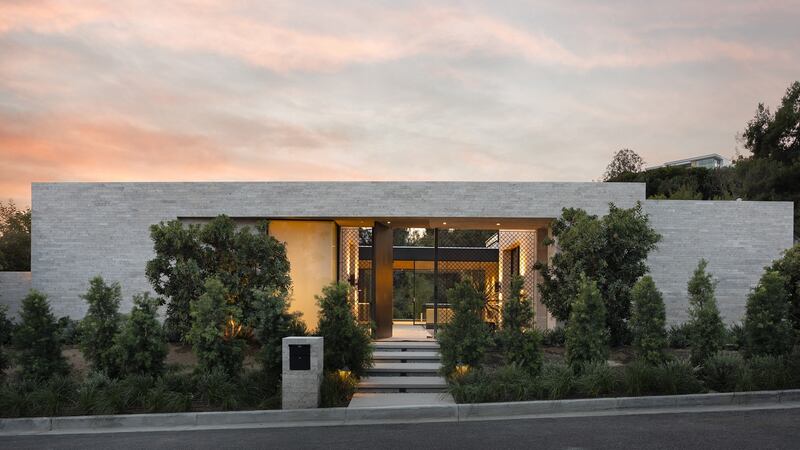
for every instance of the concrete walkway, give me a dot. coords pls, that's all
(373, 399)
(405, 371)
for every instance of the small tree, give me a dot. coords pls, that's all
(624, 161)
(767, 326)
(587, 336)
(215, 330)
(464, 339)
(706, 330)
(36, 337)
(275, 322)
(140, 347)
(347, 344)
(518, 338)
(101, 324)
(648, 320)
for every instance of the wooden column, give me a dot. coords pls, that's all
(541, 256)
(382, 261)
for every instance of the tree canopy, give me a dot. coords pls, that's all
(624, 161)
(15, 238)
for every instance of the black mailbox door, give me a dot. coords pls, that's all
(299, 357)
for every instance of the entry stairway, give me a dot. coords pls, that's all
(404, 367)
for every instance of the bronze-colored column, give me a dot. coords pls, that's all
(382, 261)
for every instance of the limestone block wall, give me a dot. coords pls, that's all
(14, 286)
(80, 230)
(737, 238)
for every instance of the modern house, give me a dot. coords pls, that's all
(710, 161)
(84, 229)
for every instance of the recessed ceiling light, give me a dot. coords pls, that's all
(389, 221)
(444, 223)
(498, 224)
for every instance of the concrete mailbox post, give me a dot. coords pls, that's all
(302, 372)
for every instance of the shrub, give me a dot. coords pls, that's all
(140, 347)
(767, 326)
(736, 337)
(597, 379)
(347, 344)
(100, 324)
(723, 371)
(767, 372)
(69, 331)
(647, 321)
(640, 378)
(214, 334)
(162, 399)
(37, 340)
(557, 381)
(707, 333)
(337, 388)
(518, 339)
(793, 367)
(509, 383)
(216, 388)
(677, 377)
(678, 336)
(275, 322)
(465, 338)
(52, 397)
(555, 337)
(587, 337)
(260, 389)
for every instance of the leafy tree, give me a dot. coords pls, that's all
(776, 136)
(15, 238)
(518, 338)
(587, 336)
(275, 322)
(624, 161)
(767, 326)
(464, 339)
(101, 324)
(788, 266)
(347, 344)
(140, 347)
(706, 330)
(648, 320)
(37, 340)
(215, 331)
(243, 260)
(611, 250)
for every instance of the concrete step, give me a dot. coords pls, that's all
(405, 346)
(413, 356)
(402, 384)
(404, 369)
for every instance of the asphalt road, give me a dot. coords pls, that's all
(765, 429)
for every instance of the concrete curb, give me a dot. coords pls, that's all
(405, 414)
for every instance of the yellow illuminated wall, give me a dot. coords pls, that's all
(311, 249)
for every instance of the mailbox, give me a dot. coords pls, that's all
(299, 357)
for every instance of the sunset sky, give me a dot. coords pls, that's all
(378, 90)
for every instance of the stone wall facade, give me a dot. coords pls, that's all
(80, 230)
(737, 238)
(14, 286)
